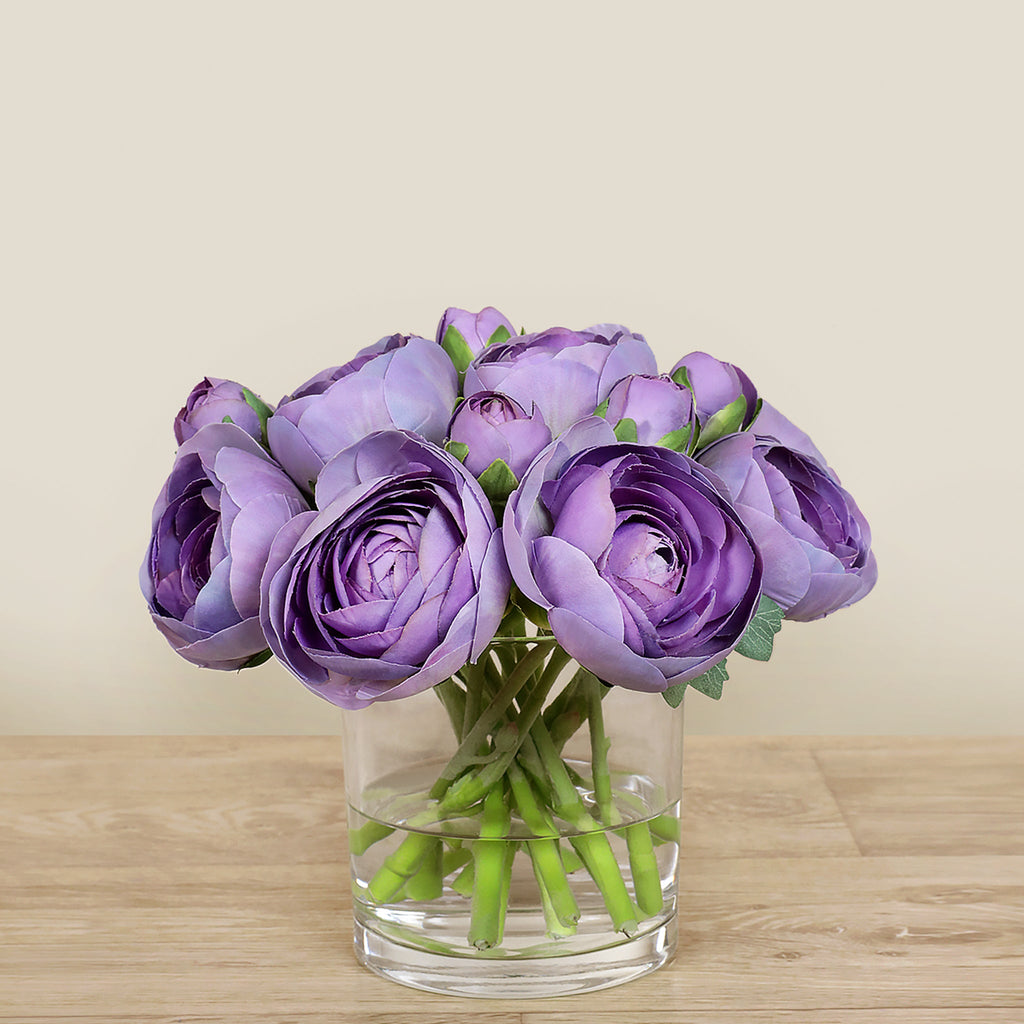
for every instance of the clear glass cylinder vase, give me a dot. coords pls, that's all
(515, 832)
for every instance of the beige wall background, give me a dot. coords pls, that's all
(828, 194)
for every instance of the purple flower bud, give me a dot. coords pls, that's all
(658, 405)
(493, 426)
(648, 575)
(716, 385)
(402, 382)
(319, 383)
(476, 328)
(213, 400)
(213, 525)
(397, 582)
(565, 374)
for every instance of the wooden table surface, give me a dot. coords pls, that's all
(198, 879)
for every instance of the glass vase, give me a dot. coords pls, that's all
(514, 832)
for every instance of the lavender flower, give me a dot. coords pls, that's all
(565, 374)
(493, 426)
(213, 400)
(405, 382)
(397, 581)
(648, 575)
(815, 540)
(213, 525)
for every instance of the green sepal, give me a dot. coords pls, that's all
(228, 419)
(757, 641)
(498, 481)
(682, 378)
(258, 659)
(262, 410)
(501, 333)
(625, 430)
(724, 422)
(602, 409)
(677, 440)
(533, 611)
(457, 348)
(710, 684)
(458, 449)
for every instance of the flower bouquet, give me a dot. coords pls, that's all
(525, 537)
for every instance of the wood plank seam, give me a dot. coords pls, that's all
(839, 804)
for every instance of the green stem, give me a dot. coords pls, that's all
(489, 857)
(400, 866)
(543, 851)
(488, 720)
(541, 639)
(362, 838)
(592, 844)
(599, 745)
(471, 788)
(643, 866)
(474, 700)
(426, 883)
(463, 881)
(453, 697)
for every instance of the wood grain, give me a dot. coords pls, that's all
(205, 879)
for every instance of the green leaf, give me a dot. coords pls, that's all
(681, 377)
(457, 348)
(502, 333)
(757, 410)
(625, 430)
(757, 641)
(498, 481)
(258, 659)
(602, 409)
(726, 421)
(228, 419)
(677, 440)
(709, 684)
(458, 449)
(262, 410)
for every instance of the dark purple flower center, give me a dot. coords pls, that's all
(180, 556)
(823, 506)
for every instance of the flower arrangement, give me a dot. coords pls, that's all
(470, 514)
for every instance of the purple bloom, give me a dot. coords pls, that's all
(402, 382)
(658, 405)
(566, 374)
(210, 401)
(716, 385)
(395, 583)
(212, 528)
(493, 426)
(648, 575)
(815, 540)
(476, 328)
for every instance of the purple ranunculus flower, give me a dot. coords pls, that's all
(648, 575)
(403, 382)
(567, 374)
(493, 426)
(213, 399)
(816, 541)
(395, 583)
(716, 384)
(476, 328)
(212, 528)
(658, 405)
